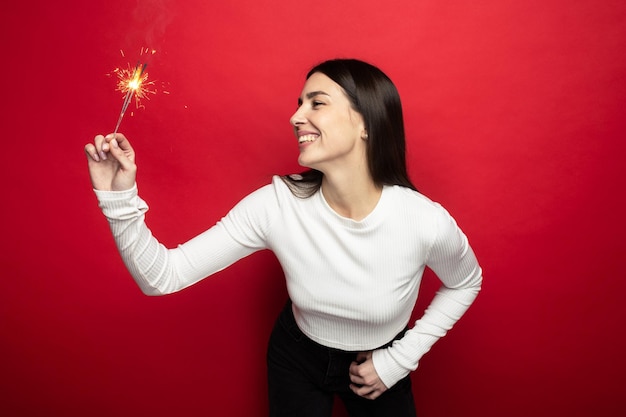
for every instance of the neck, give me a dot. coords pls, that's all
(353, 197)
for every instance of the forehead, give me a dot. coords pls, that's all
(319, 82)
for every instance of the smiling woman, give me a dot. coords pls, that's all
(352, 235)
(332, 135)
(514, 117)
(373, 100)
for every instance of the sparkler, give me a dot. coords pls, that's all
(132, 82)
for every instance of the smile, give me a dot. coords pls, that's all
(307, 138)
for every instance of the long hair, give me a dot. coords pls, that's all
(374, 96)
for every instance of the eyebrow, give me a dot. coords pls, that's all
(313, 94)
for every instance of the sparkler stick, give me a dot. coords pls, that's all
(131, 83)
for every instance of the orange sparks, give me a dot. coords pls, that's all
(134, 81)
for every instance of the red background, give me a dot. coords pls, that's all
(515, 120)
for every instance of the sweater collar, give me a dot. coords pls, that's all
(373, 218)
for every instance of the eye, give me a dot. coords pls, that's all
(316, 104)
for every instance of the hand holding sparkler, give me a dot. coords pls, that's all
(111, 159)
(111, 162)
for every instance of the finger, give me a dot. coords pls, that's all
(365, 392)
(122, 141)
(118, 153)
(98, 142)
(354, 369)
(91, 152)
(356, 379)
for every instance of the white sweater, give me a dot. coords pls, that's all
(353, 283)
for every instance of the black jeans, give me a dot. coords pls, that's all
(304, 377)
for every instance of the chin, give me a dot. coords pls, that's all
(303, 163)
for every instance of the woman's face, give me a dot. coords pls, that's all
(330, 132)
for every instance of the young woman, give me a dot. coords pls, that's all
(353, 237)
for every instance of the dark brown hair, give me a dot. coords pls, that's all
(373, 95)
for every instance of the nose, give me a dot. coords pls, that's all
(298, 117)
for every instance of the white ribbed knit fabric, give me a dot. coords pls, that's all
(353, 283)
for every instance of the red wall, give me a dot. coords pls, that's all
(515, 119)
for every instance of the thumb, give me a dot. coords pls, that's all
(362, 357)
(120, 155)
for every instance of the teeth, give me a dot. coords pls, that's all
(307, 138)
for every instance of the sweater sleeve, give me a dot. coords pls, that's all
(159, 270)
(453, 261)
